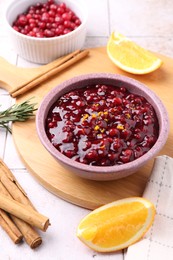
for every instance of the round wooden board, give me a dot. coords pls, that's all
(82, 192)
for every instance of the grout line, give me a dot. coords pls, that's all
(5, 143)
(98, 36)
(123, 254)
(19, 169)
(109, 16)
(4, 94)
(148, 36)
(130, 36)
(17, 59)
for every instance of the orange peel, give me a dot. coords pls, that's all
(116, 225)
(130, 57)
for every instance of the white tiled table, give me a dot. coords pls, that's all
(150, 24)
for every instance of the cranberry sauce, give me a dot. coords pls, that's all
(48, 19)
(102, 125)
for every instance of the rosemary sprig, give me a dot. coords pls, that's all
(18, 112)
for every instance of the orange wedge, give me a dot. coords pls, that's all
(116, 225)
(130, 57)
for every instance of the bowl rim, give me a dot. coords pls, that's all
(46, 39)
(53, 95)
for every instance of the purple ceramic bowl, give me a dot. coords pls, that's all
(102, 173)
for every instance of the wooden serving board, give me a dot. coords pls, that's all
(82, 192)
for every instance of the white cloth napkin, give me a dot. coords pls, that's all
(158, 241)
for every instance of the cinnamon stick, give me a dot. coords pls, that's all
(24, 212)
(49, 74)
(10, 228)
(31, 236)
(49, 66)
(14, 188)
(17, 193)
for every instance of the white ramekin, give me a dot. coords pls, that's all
(45, 50)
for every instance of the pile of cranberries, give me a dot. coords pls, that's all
(102, 125)
(48, 19)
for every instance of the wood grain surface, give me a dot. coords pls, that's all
(85, 193)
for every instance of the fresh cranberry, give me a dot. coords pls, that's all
(22, 20)
(16, 28)
(51, 16)
(66, 16)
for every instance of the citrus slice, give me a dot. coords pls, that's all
(116, 225)
(129, 56)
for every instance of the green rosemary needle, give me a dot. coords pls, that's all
(18, 112)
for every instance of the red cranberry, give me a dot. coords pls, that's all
(102, 130)
(52, 124)
(16, 28)
(53, 7)
(126, 157)
(48, 33)
(49, 15)
(66, 16)
(22, 20)
(92, 155)
(117, 101)
(69, 153)
(113, 132)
